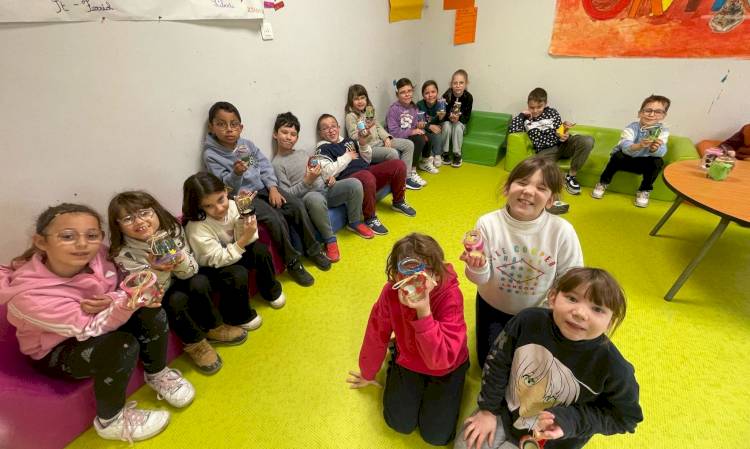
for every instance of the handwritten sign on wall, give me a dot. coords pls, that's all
(89, 10)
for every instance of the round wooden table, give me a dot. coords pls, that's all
(729, 199)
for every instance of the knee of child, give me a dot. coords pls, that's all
(315, 201)
(436, 437)
(237, 273)
(200, 284)
(398, 425)
(120, 346)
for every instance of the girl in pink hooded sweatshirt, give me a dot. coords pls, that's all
(71, 320)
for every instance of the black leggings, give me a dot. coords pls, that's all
(190, 308)
(421, 148)
(111, 358)
(490, 322)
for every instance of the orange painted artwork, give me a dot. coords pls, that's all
(652, 28)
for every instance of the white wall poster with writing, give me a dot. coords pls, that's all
(87, 10)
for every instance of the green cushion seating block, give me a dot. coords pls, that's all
(484, 141)
(678, 149)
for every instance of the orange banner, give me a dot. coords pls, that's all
(656, 28)
(465, 28)
(457, 4)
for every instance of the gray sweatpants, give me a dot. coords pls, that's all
(499, 442)
(347, 192)
(453, 134)
(400, 149)
(577, 148)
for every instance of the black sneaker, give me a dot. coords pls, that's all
(446, 158)
(456, 161)
(299, 274)
(571, 185)
(558, 208)
(321, 261)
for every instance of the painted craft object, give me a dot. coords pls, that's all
(720, 168)
(414, 281)
(369, 113)
(653, 132)
(317, 159)
(141, 288)
(474, 243)
(456, 109)
(244, 202)
(420, 116)
(361, 126)
(164, 247)
(242, 153)
(441, 105)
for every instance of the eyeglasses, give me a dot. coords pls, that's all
(143, 214)
(69, 236)
(653, 111)
(225, 125)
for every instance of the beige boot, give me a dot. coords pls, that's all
(228, 335)
(204, 356)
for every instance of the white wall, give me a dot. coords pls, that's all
(90, 109)
(510, 57)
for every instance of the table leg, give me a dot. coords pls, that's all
(666, 216)
(694, 263)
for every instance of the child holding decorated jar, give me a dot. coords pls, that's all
(422, 304)
(145, 236)
(405, 121)
(433, 109)
(524, 250)
(73, 320)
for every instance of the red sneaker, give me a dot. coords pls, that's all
(332, 252)
(362, 230)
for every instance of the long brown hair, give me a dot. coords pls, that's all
(418, 246)
(43, 222)
(130, 202)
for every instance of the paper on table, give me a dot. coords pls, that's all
(457, 4)
(466, 26)
(405, 10)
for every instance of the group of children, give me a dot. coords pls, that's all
(75, 318)
(640, 149)
(551, 376)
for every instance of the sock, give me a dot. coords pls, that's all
(106, 422)
(155, 375)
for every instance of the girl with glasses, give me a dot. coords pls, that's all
(138, 223)
(72, 321)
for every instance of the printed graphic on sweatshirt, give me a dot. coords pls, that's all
(540, 125)
(521, 269)
(539, 381)
(406, 120)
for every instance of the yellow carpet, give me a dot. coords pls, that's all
(285, 387)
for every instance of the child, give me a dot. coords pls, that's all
(226, 246)
(542, 123)
(347, 158)
(279, 211)
(459, 103)
(428, 365)
(640, 149)
(434, 115)
(525, 249)
(402, 121)
(554, 374)
(72, 321)
(297, 177)
(134, 218)
(384, 146)
(739, 143)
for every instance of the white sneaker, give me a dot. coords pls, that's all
(437, 161)
(426, 165)
(133, 424)
(278, 302)
(599, 190)
(641, 198)
(418, 179)
(254, 323)
(172, 387)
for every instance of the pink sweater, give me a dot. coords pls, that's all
(434, 345)
(46, 308)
